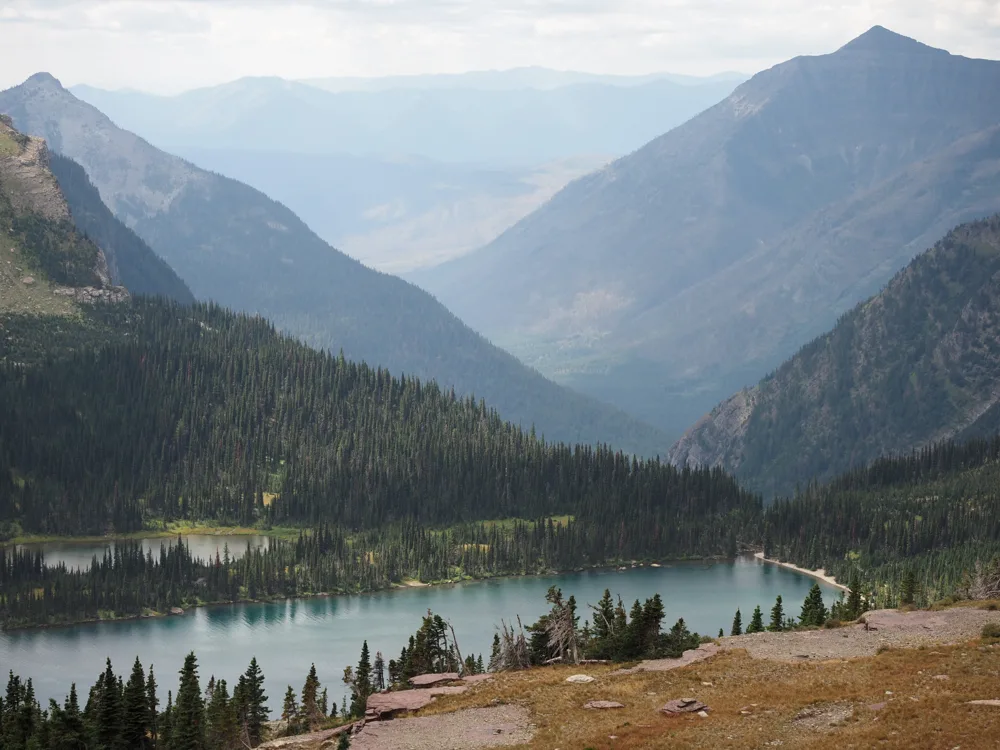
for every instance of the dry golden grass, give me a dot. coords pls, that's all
(920, 711)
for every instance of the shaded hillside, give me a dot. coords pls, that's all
(918, 363)
(130, 261)
(669, 278)
(233, 245)
(46, 265)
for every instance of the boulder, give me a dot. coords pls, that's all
(429, 680)
(580, 678)
(683, 706)
(603, 704)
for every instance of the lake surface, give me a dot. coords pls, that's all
(288, 636)
(205, 546)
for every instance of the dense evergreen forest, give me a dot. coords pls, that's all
(928, 517)
(159, 412)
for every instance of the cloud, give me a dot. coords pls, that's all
(175, 44)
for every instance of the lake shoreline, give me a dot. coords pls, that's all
(819, 573)
(407, 584)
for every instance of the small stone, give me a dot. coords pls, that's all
(985, 703)
(683, 706)
(580, 678)
(703, 714)
(877, 706)
(603, 704)
(28, 280)
(941, 677)
(707, 684)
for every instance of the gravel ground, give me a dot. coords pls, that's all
(474, 727)
(889, 628)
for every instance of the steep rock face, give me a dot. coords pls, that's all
(235, 246)
(917, 363)
(45, 262)
(700, 261)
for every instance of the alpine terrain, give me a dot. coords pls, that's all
(691, 267)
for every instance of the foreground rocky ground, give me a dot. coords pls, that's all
(907, 680)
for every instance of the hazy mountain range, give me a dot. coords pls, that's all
(915, 364)
(235, 246)
(691, 267)
(407, 172)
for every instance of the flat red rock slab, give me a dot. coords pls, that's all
(684, 706)
(408, 700)
(603, 704)
(427, 680)
(472, 679)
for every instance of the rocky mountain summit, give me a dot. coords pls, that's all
(679, 273)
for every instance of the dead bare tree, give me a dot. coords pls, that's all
(513, 652)
(984, 581)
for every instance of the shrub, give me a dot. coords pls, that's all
(991, 630)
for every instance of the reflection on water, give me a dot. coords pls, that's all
(288, 636)
(205, 546)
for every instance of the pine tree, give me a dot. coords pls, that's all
(756, 621)
(253, 703)
(855, 608)
(737, 628)
(110, 726)
(310, 699)
(165, 737)
(361, 687)
(222, 729)
(777, 616)
(814, 612)
(908, 587)
(152, 704)
(188, 731)
(136, 709)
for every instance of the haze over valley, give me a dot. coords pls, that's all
(502, 374)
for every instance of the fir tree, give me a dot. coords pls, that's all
(152, 704)
(222, 729)
(814, 612)
(110, 727)
(188, 731)
(253, 703)
(855, 607)
(136, 709)
(756, 621)
(165, 737)
(310, 699)
(908, 587)
(777, 616)
(361, 685)
(737, 628)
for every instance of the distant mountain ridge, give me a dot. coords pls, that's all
(691, 267)
(233, 245)
(518, 126)
(913, 365)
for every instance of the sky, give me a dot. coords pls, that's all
(168, 46)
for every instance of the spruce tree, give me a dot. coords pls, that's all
(152, 703)
(310, 699)
(222, 729)
(362, 682)
(164, 737)
(110, 727)
(777, 616)
(188, 731)
(908, 587)
(855, 607)
(253, 706)
(756, 621)
(814, 612)
(136, 709)
(737, 628)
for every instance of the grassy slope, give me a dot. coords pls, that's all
(920, 712)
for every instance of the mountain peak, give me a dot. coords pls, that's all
(44, 79)
(879, 39)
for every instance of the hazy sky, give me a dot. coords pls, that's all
(169, 45)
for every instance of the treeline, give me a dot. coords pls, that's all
(123, 713)
(927, 518)
(131, 582)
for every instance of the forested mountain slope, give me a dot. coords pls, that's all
(917, 363)
(46, 265)
(930, 516)
(694, 265)
(233, 245)
(198, 413)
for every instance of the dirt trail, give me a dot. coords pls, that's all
(499, 726)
